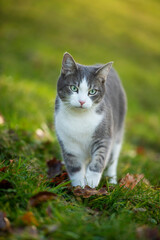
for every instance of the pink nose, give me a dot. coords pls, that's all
(82, 102)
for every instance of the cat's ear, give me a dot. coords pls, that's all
(102, 72)
(69, 66)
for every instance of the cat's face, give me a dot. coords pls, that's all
(81, 86)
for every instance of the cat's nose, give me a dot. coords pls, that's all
(82, 102)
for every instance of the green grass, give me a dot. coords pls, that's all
(33, 37)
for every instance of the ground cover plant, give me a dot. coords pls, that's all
(37, 202)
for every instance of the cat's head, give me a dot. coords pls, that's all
(81, 86)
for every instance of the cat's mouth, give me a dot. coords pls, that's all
(81, 107)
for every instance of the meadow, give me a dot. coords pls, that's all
(33, 38)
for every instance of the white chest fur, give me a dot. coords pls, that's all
(76, 128)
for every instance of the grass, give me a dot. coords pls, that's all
(34, 36)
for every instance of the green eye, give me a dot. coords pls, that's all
(92, 92)
(74, 88)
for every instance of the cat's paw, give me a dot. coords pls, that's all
(92, 178)
(113, 180)
(78, 182)
(78, 179)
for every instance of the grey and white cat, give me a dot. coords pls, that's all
(89, 120)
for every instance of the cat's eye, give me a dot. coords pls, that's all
(74, 88)
(92, 92)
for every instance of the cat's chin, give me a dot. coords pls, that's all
(80, 108)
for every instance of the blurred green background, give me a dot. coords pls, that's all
(34, 34)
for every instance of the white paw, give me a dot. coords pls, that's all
(92, 178)
(78, 182)
(77, 179)
(113, 180)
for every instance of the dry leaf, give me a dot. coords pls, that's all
(88, 191)
(60, 178)
(148, 233)
(41, 197)
(3, 169)
(78, 191)
(5, 184)
(131, 180)
(4, 222)
(54, 167)
(140, 150)
(141, 177)
(29, 219)
(102, 191)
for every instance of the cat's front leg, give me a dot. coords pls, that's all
(93, 177)
(77, 179)
(75, 169)
(100, 152)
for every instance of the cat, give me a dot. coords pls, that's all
(90, 110)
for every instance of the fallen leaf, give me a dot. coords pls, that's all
(54, 167)
(78, 191)
(60, 178)
(4, 222)
(29, 219)
(102, 191)
(5, 184)
(148, 233)
(41, 197)
(88, 191)
(3, 169)
(141, 177)
(140, 150)
(131, 180)
(1, 120)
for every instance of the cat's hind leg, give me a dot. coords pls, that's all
(111, 170)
